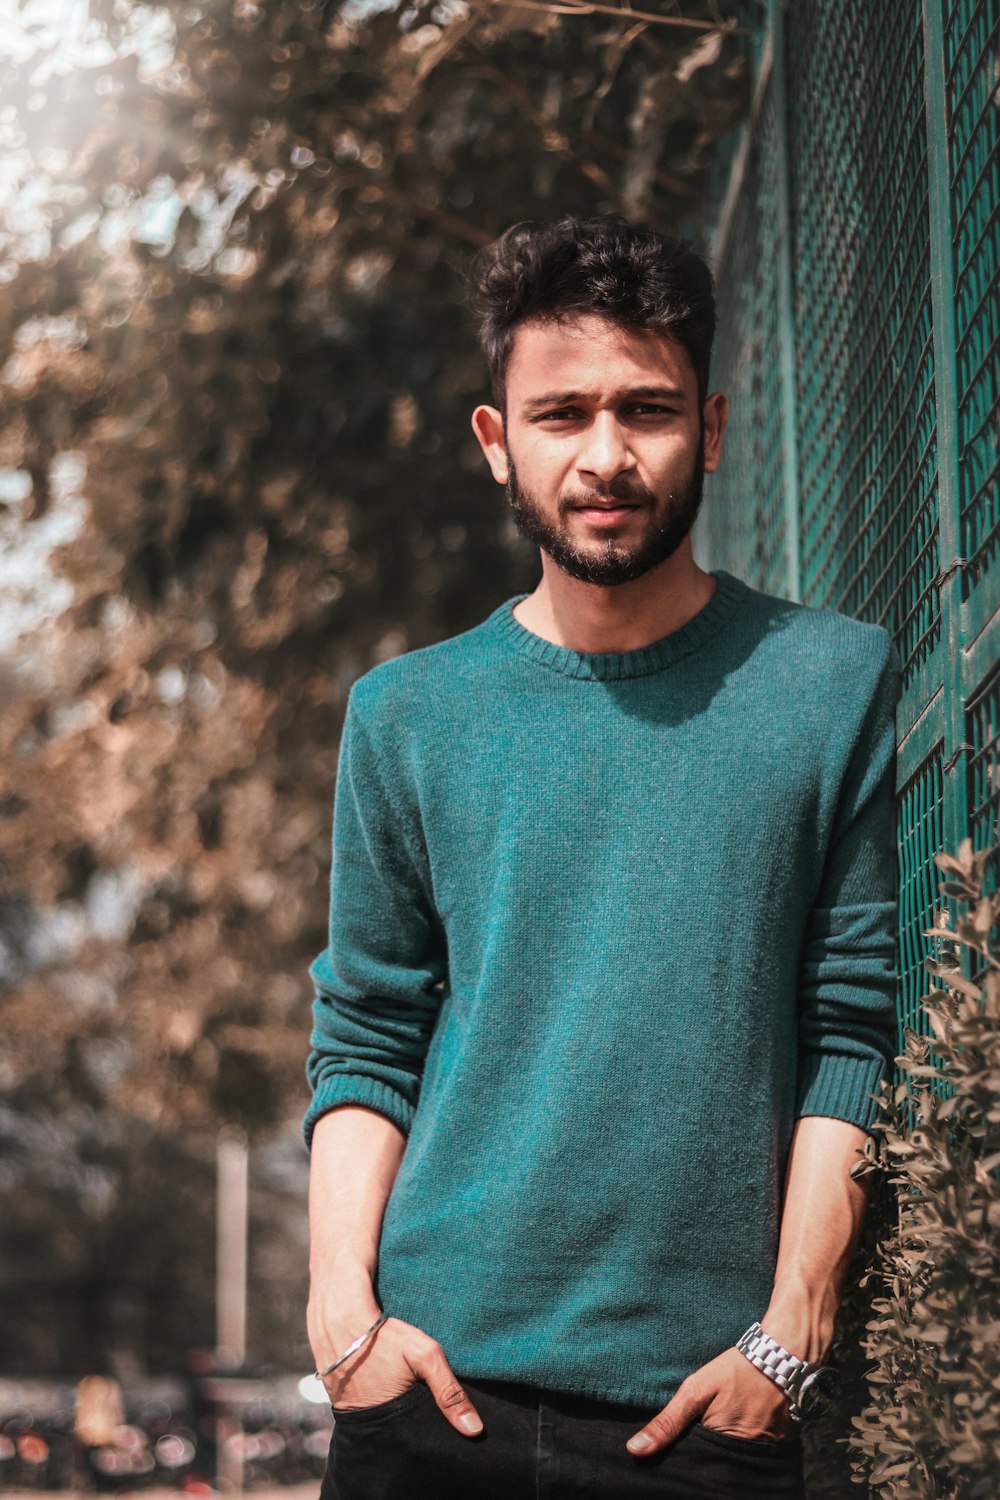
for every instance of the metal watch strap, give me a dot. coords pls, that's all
(785, 1369)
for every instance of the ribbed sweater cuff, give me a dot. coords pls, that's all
(355, 1088)
(842, 1087)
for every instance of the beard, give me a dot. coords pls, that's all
(608, 561)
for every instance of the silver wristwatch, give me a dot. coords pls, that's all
(810, 1388)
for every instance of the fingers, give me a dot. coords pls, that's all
(663, 1429)
(433, 1367)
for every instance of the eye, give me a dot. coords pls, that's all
(647, 409)
(563, 413)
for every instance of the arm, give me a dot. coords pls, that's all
(377, 986)
(377, 981)
(821, 1222)
(847, 1029)
(354, 1159)
(847, 971)
(355, 1156)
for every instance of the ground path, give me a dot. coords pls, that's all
(281, 1492)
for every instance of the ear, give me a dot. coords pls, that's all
(716, 411)
(487, 424)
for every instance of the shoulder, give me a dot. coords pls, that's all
(415, 688)
(819, 645)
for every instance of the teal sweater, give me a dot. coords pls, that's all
(602, 926)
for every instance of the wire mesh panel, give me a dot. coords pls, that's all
(983, 734)
(920, 807)
(868, 269)
(970, 62)
(861, 262)
(745, 521)
(827, 269)
(983, 717)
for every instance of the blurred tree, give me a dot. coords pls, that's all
(235, 471)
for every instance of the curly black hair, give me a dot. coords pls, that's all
(627, 272)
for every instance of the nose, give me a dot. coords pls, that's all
(605, 452)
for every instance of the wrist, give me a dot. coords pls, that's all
(357, 1342)
(340, 1268)
(340, 1307)
(810, 1385)
(804, 1329)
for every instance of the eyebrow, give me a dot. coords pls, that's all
(633, 393)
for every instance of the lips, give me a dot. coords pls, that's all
(604, 515)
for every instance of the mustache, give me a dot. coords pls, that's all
(625, 491)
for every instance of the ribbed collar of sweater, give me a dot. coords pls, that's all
(730, 595)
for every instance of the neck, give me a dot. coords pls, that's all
(623, 617)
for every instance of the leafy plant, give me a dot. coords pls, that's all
(932, 1428)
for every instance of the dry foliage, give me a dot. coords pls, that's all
(236, 469)
(932, 1428)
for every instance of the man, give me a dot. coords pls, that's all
(609, 986)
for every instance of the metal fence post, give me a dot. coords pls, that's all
(954, 764)
(786, 308)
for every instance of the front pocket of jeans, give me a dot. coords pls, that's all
(349, 1416)
(739, 1444)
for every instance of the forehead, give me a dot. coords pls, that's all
(592, 353)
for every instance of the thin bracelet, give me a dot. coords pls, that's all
(322, 1374)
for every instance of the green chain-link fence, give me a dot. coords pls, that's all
(856, 252)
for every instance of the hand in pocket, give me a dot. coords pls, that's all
(389, 1363)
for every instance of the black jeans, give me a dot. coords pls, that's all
(537, 1445)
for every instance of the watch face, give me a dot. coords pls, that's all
(818, 1391)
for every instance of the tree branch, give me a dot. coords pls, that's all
(621, 13)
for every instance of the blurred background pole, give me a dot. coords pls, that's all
(231, 1247)
(230, 1293)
